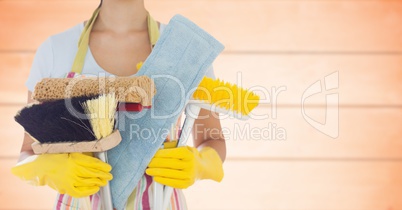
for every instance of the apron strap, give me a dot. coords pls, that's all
(153, 30)
(78, 65)
(79, 60)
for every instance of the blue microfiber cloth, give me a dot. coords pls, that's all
(177, 65)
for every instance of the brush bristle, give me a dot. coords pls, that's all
(225, 95)
(101, 112)
(57, 121)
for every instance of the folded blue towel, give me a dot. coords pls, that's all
(177, 65)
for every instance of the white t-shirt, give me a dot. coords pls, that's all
(55, 57)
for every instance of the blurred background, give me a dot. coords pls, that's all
(328, 132)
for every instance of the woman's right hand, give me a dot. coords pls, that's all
(75, 174)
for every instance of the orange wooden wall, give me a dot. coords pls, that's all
(272, 44)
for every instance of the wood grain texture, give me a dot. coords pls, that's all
(276, 26)
(14, 68)
(279, 185)
(12, 133)
(364, 80)
(363, 133)
(302, 185)
(19, 195)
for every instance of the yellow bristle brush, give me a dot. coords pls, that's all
(102, 117)
(224, 97)
(216, 96)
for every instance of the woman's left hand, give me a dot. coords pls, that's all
(181, 167)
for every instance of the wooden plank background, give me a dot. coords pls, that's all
(254, 25)
(270, 44)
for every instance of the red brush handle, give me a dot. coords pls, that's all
(131, 107)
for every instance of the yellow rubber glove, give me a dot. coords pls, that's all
(75, 174)
(181, 167)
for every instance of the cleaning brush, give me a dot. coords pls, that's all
(216, 96)
(224, 97)
(57, 121)
(58, 128)
(79, 124)
(127, 89)
(101, 112)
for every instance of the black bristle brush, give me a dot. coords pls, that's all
(57, 121)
